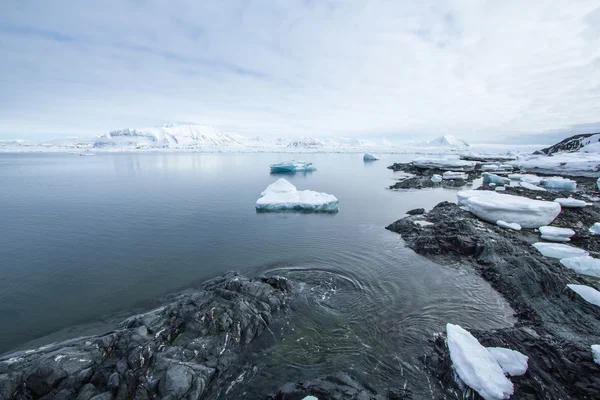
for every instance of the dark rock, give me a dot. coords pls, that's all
(570, 144)
(416, 211)
(87, 392)
(103, 396)
(113, 381)
(177, 381)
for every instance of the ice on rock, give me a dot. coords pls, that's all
(584, 265)
(571, 202)
(589, 294)
(444, 164)
(491, 207)
(450, 175)
(555, 234)
(435, 178)
(292, 166)
(422, 223)
(531, 186)
(560, 251)
(595, 229)
(310, 398)
(508, 225)
(512, 362)
(559, 183)
(489, 167)
(598, 183)
(596, 353)
(370, 157)
(282, 195)
(476, 366)
(533, 179)
(492, 178)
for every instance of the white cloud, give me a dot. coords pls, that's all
(478, 69)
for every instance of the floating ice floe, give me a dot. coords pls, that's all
(435, 178)
(596, 353)
(508, 225)
(595, 229)
(589, 294)
(282, 195)
(292, 166)
(370, 157)
(444, 164)
(560, 251)
(584, 265)
(571, 202)
(512, 362)
(555, 234)
(450, 175)
(531, 186)
(491, 207)
(559, 183)
(492, 178)
(476, 366)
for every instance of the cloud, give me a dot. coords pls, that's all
(481, 70)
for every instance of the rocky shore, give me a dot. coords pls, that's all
(555, 326)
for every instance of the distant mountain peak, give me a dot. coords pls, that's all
(586, 142)
(448, 141)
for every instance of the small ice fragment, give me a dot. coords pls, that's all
(449, 175)
(584, 265)
(310, 398)
(435, 178)
(508, 225)
(531, 186)
(555, 234)
(571, 202)
(596, 353)
(560, 251)
(500, 189)
(559, 183)
(370, 157)
(598, 183)
(595, 229)
(512, 362)
(589, 294)
(492, 178)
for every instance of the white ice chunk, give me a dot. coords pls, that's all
(555, 234)
(531, 186)
(492, 178)
(476, 366)
(370, 157)
(282, 195)
(512, 362)
(444, 164)
(489, 167)
(423, 223)
(559, 183)
(571, 202)
(508, 225)
(560, 251)
(584, 265)
(500, 189)
(533, 179)
(596, 353)
(448, 175)
(595, 229)
(526, 212)
(292, 166)
(310, 398)
(435, 178)
(464, 195)
(589, 294)
(598, 183)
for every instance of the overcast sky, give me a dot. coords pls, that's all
(482, 70)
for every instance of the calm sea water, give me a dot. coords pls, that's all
(82, 238)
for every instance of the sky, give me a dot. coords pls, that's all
(485, 71)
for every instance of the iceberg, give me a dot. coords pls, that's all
(370, 157)
(449, 175)
(584, 265)
(444, 164)
(596, 353)
(595, 229)
(282, 195)
(559, 183)
(492, 178)
(554, 234)
(571, 202)
(589, 294)
(508, 225)
(491, 207)
(560, 251)
(476, 366)
(512, 362)
(531, 186)
(435, 178)
(292, 166)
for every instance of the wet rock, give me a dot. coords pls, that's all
(153, 354)
(416, 211)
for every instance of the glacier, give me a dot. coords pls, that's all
(512, 362)
(589, 294)
(555, 234)
(476, 366)
(282, 195)
(292, 166)
(584, 265)
(560, 251)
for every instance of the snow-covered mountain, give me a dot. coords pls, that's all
(448, 141)
(170, 136)
(587, 143)
(306, 143)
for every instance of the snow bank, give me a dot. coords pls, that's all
(584, 265)
(560, 251)
(589, 294)
(508, 225)
(595, 229)
(555, 234)
(571, 202)
(512, 362)
(492, 207)
(282, 195)
(370, 157)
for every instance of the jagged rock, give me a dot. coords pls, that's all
(416, 211)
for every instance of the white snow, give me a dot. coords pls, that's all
(560, 251)
(435, 178)
(555, 234)
(595, 229)
(492, 207)
(589, 294)
(448, 141)
(562, 163)
(282, 195)
(476, 366)
(310, 398)
(444, 164)
(423, 223)
(571, 202)
(598, 183)
(530, 186)
(596, 353)
(559, 183)
(370, 157)
(492, 178)
(584, 265)
(449, 175)
(508, 225)
(512, 362)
